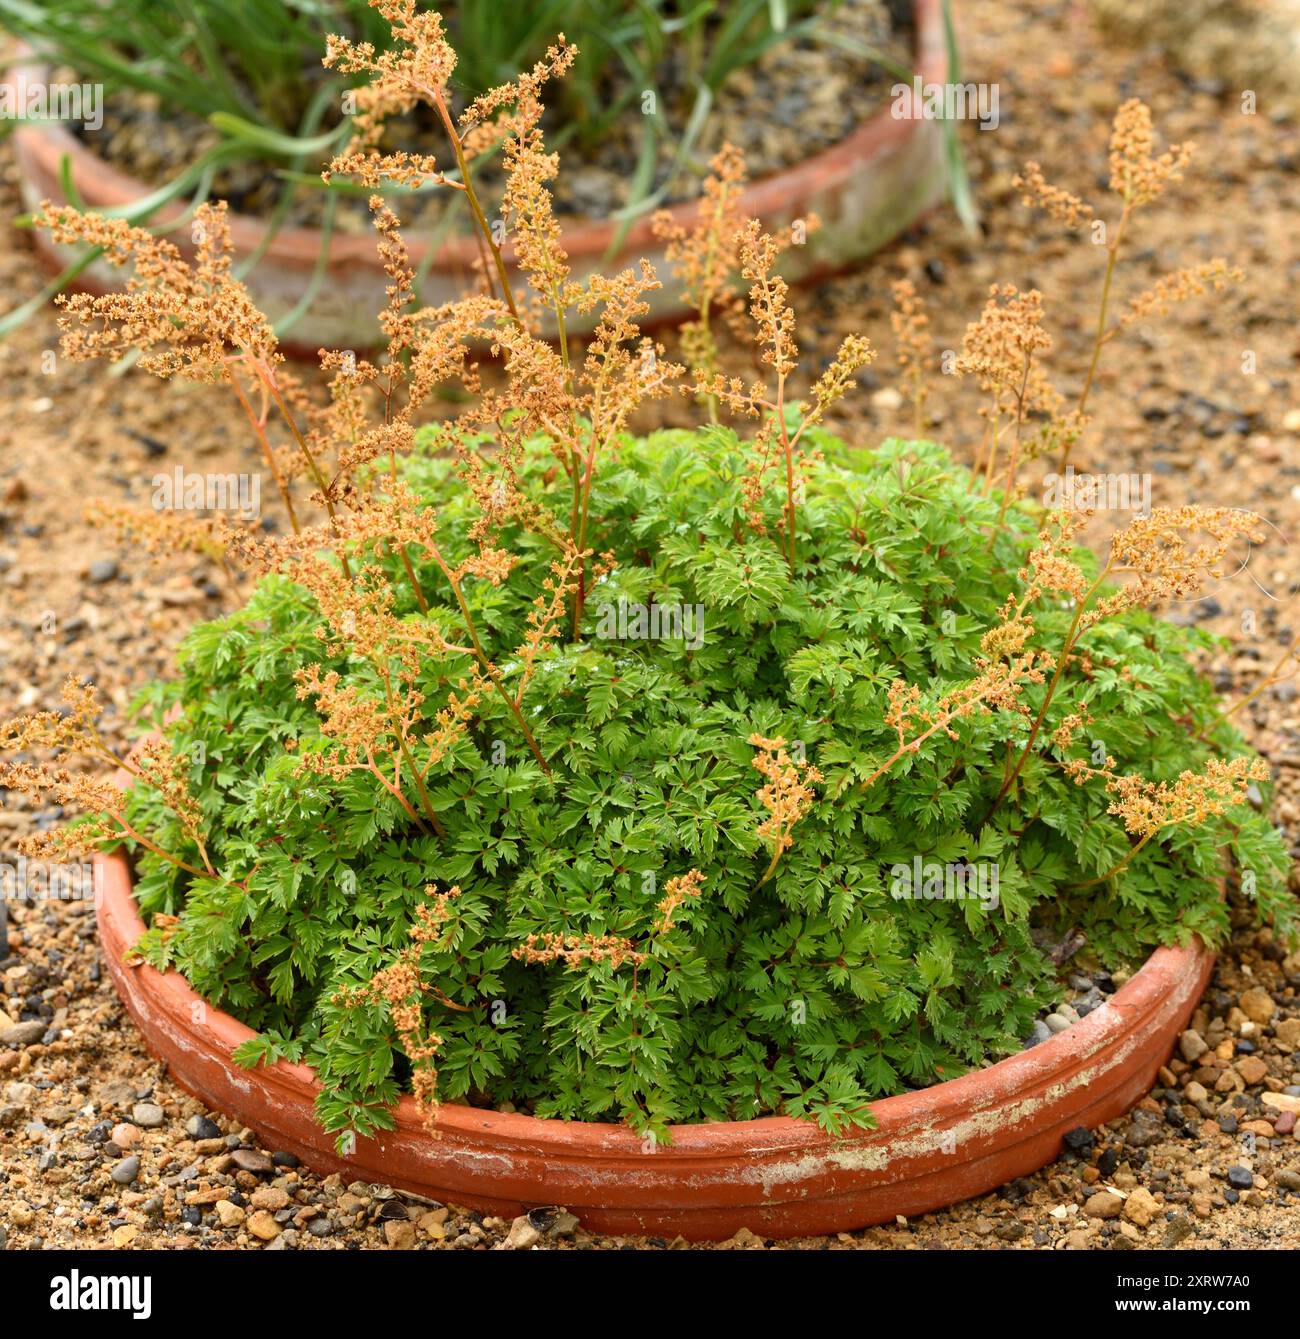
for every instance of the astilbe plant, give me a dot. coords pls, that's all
(417, 816)
(1138, 177)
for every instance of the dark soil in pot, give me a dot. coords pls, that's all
(800, 98)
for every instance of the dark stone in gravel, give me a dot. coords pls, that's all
(192, 1214)
(1240, 1178)
(102, 570)
(320, 1227)
(1231, 1196)
(200, 1127)
(1228, 1124)
(152, 446)
(126, 1171)
(284, 1160)
(1145, 1130)
(1078, 1138)
(391, 1211)
(1108, 1162)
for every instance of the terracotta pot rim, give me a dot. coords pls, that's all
(103, 185)
(1017, 1076)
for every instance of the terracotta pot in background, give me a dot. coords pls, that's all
(776, 1176)
(866, 190)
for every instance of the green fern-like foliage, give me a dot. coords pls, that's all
(811, 993)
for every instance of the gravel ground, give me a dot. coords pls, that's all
(98, 1147)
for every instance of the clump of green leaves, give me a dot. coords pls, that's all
(811, 993)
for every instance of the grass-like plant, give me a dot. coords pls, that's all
(245, 67)
(607, 775)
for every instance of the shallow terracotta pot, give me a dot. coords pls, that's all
(866, 190)
(776, 1176)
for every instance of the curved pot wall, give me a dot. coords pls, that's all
(776, 1176)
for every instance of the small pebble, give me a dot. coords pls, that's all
(249, 1160)
(126, 1171)
(200, 1127)
(125, 1136)
(23, 1034)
